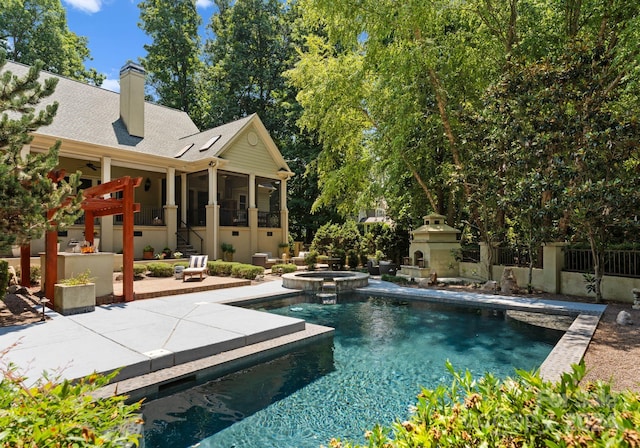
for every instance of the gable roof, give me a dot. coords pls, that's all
(91, 115)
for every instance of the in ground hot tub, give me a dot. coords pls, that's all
(314, 282)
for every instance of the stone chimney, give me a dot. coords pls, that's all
(132, 98)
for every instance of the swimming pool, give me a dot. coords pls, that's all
(383, 351)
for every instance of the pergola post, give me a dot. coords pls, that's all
(51, 260)
(127, 241)
(25, 265)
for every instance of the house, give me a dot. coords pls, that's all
(199, 189)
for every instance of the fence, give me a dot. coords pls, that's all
(622, 263)
(518, 256)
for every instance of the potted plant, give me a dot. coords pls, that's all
(147, 252)
(75, 295)
(167, 252)
(227, 251)
(284, 249)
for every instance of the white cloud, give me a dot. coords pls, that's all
(204, 4)
(111, 84)
(89, 6)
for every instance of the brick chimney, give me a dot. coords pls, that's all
(132, 98)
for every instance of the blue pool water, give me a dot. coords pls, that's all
(382, 353)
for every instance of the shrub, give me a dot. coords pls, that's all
(34, 274)
(139, 269)
(148, 248)
(521, 411)
(247, 271)
(311, 259)
(54, 413)
(396, 279)
(183, 263)
(353, 259)
(283, 268)
(159, 269)
(4, 277)
(221, 268)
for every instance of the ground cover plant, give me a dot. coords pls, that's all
(523, 411)
(55, 412)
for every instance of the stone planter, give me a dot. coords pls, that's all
(74, 299)
(147, 255)
(15, 251)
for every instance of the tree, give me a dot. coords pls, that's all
(381, 84)
(173, 61)
(32, 30)
(249, 51)
(26, 191)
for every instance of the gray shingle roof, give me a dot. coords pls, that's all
(92, 115)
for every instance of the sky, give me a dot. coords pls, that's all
(114, 36)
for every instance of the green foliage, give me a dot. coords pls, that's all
(227, 248)
(160, 269)
(83, 278)
(36, 30)
(148, 248)
(352, 258)
(139, 269)
(248, 271)
(26, 192)
(221, 268)
(390, 242)
(283, 268)
(4, 277)
(250, 49)
(55, 412)
(589, 282)
(173, 61)
(35, 273)
(336, 239)
(520, 411)
(310, 259)
(396, 279)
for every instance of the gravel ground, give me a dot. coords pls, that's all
(613, 354)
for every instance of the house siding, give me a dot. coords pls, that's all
(248, 158)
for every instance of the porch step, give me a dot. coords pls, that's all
(187, 250)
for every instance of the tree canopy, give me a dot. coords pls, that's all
(36, 30)
(173, 61)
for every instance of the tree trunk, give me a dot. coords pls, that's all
(598, 266)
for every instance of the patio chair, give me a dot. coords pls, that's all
(197, 265)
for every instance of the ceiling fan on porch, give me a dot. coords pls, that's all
(92, 165)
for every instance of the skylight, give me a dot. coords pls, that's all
(183, 150)
(209, 143)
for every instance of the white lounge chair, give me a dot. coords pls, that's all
(197, 265)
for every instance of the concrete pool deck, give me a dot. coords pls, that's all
(159, 341)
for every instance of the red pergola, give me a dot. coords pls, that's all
(95, 204)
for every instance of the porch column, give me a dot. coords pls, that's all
(183, 197)
(211, 216)
(252, 192)
(171, 209)
(284, 212)
(106, 222)
(253, 230)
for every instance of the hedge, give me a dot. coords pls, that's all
(221, 268)
(283, 268)
(160, 269)
(247, 271)
(516, 412)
